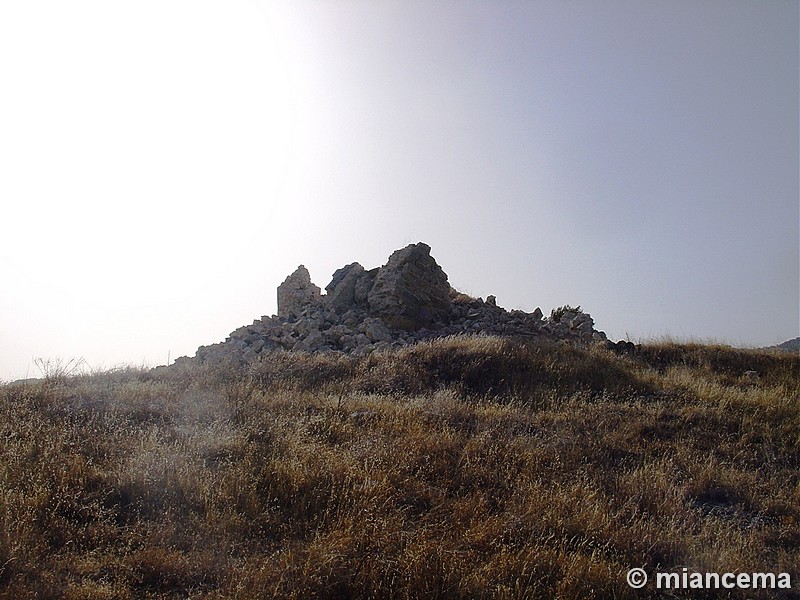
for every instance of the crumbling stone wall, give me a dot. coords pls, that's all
(297, 293)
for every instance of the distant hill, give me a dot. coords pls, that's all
(789, 345)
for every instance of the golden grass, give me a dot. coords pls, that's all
(460, 468)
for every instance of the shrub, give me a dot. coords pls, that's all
(557, 313)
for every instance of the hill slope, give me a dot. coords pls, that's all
(466, 467)
(793, 344)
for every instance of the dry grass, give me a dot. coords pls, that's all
(461, 468)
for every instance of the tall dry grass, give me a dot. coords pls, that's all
(460, 468)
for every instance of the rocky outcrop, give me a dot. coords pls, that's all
(406, 301)
(296, 293)
(411, 290)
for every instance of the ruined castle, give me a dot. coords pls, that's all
(403, 302)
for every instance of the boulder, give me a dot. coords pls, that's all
(341, 291)
(376, 330)
(297, 293)
(583, 322)
(363, 286)
(410, 290)
(313, 342)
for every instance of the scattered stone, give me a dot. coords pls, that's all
(376, 330)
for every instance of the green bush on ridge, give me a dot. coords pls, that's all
(557, 313)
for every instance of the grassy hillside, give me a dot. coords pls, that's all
(462, 468)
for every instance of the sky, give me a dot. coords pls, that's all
(164, 165)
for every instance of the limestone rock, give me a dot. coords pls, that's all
(376, 330)
(313, 342)
(297, 293)
(583, 322)
(363, 286)
(341, 291)
(411, 290)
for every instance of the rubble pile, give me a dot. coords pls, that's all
(406, 301)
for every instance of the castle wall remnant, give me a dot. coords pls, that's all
(296, 293)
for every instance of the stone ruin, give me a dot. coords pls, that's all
(405, 301)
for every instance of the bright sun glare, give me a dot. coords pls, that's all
(144, 133)
(139, 140)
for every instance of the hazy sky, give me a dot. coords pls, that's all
(165, 164)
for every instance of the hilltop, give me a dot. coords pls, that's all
(393, 438)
